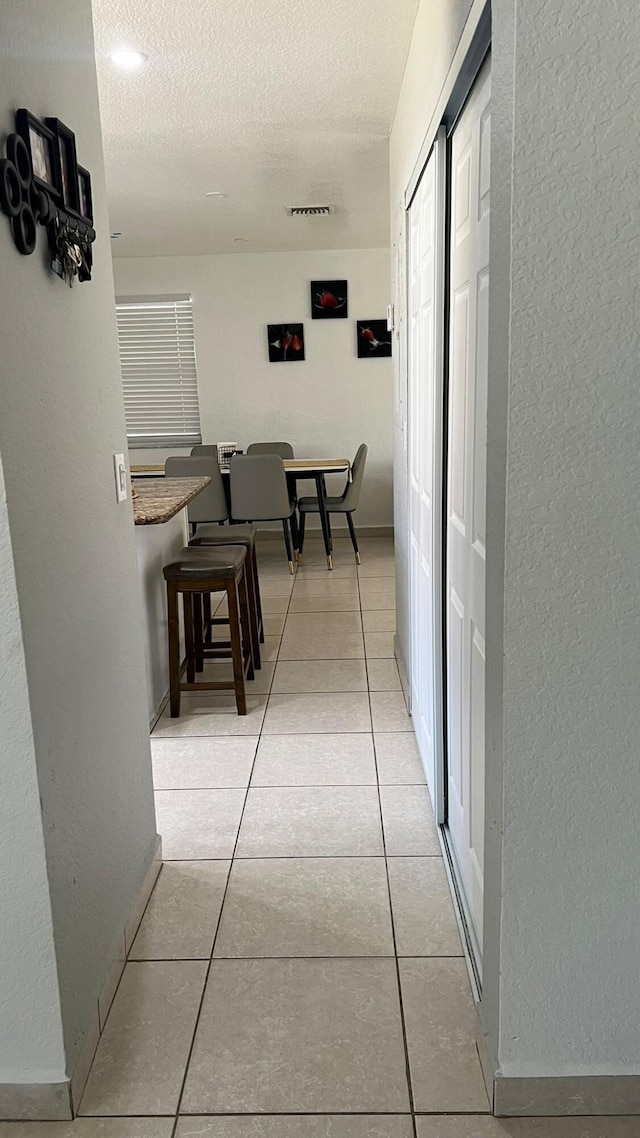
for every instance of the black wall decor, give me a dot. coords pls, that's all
(285, 343)
(329, 300)
(374, 339)
(41, 182)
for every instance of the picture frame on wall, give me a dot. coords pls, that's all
(41, 142)
(373, 339)
(85, 199)
(329, 300)
(285, 343)
(67, 164)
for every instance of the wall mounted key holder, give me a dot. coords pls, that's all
(41, 183)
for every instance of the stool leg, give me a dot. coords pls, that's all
(188, 637)
(253, 610)
(236, 648)
(174, 648)
(206, 611)
(245, 619)
(256, 581)
(197, 625)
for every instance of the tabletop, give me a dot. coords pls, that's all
(299, 467)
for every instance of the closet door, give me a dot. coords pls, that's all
(465, 498)
(426, 337)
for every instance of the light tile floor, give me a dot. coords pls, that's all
(298, 972)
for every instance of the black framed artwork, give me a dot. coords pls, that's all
(67, 164)
(41, 144)
(374, 339)
(85, 200)
(329, 300)
(285, 342)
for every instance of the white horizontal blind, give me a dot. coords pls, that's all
(158, 361)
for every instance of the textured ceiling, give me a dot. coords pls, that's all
(275, 102)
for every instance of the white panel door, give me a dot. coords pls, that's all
(426, 339)
(466, 477)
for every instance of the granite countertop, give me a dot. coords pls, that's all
(160, 499)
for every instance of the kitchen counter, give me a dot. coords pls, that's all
(160, 499)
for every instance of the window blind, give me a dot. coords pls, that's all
(158, 361)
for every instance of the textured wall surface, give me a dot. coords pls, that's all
(325, 406)
(438, 27)
(62, 417)
(568, 992)
(31, 1047)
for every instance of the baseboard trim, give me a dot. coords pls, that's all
(121, 950)
(35, 1102)
(591, 1095)
(485, 1063)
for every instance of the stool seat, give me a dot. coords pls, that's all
(211, 534)
(206, 563)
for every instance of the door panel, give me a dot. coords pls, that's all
(426, 339)
(466, 492)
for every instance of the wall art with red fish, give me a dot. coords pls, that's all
(329, 300)
(374, 339)
(285, 342)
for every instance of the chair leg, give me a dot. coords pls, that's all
(287, 541)
(245, 621)
(354, 540)
(174, 648)
(236, 647)
(303, 518)
(296, 537)
(256, 581)
(254, 621)
(188, 637)
(329, 531)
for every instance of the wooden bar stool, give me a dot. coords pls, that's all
(195, 574)
(213, 536)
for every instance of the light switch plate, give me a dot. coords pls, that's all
(120, 471)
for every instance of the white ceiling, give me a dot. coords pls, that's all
(275, 102)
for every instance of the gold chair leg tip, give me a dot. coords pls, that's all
(291, 569)
(299, 559)
(329, 562)
(358, 559)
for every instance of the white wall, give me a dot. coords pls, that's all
(439, 25)
(75, 565)
(31, 1046)
(567, 983)
(325, 406)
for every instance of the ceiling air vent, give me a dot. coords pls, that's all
(309, 210)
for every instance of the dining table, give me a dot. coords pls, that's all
(315, 469)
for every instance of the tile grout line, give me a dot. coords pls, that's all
(391, 910)
(226, 889)
(306, 956)
(302, 857)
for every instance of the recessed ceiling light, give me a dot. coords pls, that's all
(116, 233)
(216, 194)
(127, 58)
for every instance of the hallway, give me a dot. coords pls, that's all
(264, 977)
